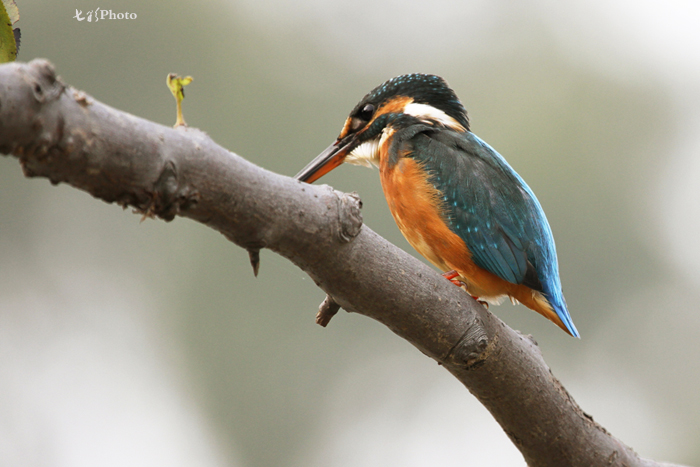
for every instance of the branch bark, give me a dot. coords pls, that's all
(65, 135)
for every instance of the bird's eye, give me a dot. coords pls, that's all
(366, 112)
(361, 117)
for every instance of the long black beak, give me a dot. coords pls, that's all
(332, 157)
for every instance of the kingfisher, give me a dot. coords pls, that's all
(455, 199)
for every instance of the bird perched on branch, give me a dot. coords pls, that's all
(454, 198)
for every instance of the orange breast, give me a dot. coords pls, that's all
(417, 209)
(414, 203)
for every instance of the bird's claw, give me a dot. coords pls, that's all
(451, 275)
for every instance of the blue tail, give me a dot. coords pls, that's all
(556, 299)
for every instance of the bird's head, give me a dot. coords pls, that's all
(395, 104)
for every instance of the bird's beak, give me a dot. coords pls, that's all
(332, 157)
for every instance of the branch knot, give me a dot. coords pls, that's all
(349, 216)
(44, 83)
(473, 348)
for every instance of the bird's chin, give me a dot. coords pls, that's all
(366, 154)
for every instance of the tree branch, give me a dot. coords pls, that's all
(66, 136)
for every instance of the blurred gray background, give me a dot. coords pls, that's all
(144, 343)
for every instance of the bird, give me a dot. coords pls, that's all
(453, 197)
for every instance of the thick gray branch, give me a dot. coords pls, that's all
(66, 136)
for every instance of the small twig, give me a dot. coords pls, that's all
(254, 254)
(326, 311)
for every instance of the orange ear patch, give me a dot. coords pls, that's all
(395, 105)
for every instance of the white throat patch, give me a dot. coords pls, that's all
(366, 154)
(428, 112)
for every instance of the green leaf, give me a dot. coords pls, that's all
(176, 84)
(9, 38)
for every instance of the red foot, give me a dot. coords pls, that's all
(450, 276)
